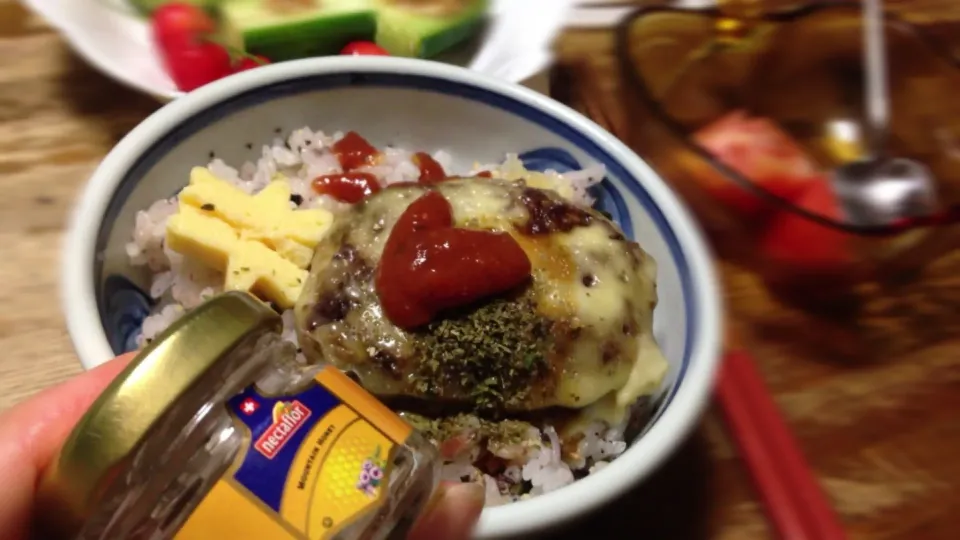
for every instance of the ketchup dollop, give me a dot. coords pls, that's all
(348, 187)
(429, 266)
(402, 184)
(431, 172)
(354, 151)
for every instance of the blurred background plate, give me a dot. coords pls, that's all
(115, 39)
(739, 107)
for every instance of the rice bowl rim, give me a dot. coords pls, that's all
(690, 394)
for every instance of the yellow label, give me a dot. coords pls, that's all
(229, 512)
(355, 396)
(315, 463)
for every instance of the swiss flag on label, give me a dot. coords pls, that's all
(249, 406)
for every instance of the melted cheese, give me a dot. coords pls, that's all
(648, 372)
(478, 204)
(604, 301)
(603, 410)
(542, 181)
(617, 290)
(266, 216)
(586, 380)
(600, 287)
(248, 265)
(513, 170)
(612, 408)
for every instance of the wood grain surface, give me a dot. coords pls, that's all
(874, 400)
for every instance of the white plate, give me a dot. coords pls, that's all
(114, 39)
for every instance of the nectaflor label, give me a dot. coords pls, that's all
(287, 419)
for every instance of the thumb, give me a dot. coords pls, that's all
(451, 514)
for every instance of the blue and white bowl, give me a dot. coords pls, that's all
(414, 104)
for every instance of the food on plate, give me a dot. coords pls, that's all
(363, 48)
(191, 49)
(178, 23)
(759, 150)
(250, 62)
(803, 244)
(183, 34)
(193, 66)
(426, 28)
(289, 29)
(491, 305)
(147, 7)
(202, 41)
(763, 153)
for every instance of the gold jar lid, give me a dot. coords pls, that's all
(205, 357)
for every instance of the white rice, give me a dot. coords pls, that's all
(178, 285)
(540, 468)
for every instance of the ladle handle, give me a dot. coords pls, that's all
(875, 60)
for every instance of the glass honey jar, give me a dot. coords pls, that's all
(214, 430)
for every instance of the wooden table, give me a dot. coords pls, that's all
(882, 431)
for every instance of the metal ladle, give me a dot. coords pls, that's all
(881, 190)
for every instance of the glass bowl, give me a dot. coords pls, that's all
(745, 112)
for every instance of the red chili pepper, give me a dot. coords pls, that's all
(429, 266)
(484, 174)
(364, 48)
(354, 151)
(431, 172)
(349, 187)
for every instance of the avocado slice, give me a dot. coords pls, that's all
(147, 7)
(425, 28)
(288, 29)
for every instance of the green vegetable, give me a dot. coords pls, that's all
(404, 30)
(288, 29)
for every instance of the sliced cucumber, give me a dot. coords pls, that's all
(309, 28)
(405, 30)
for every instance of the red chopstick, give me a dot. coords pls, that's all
(792, 497)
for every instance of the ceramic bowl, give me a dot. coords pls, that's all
(414, 104)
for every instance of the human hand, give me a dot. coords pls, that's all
(33, 431)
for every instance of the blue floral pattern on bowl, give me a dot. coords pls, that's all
(608, 199)
(127, 305)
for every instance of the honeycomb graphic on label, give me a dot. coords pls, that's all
(356, 469)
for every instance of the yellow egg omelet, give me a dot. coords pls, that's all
(258, 242)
